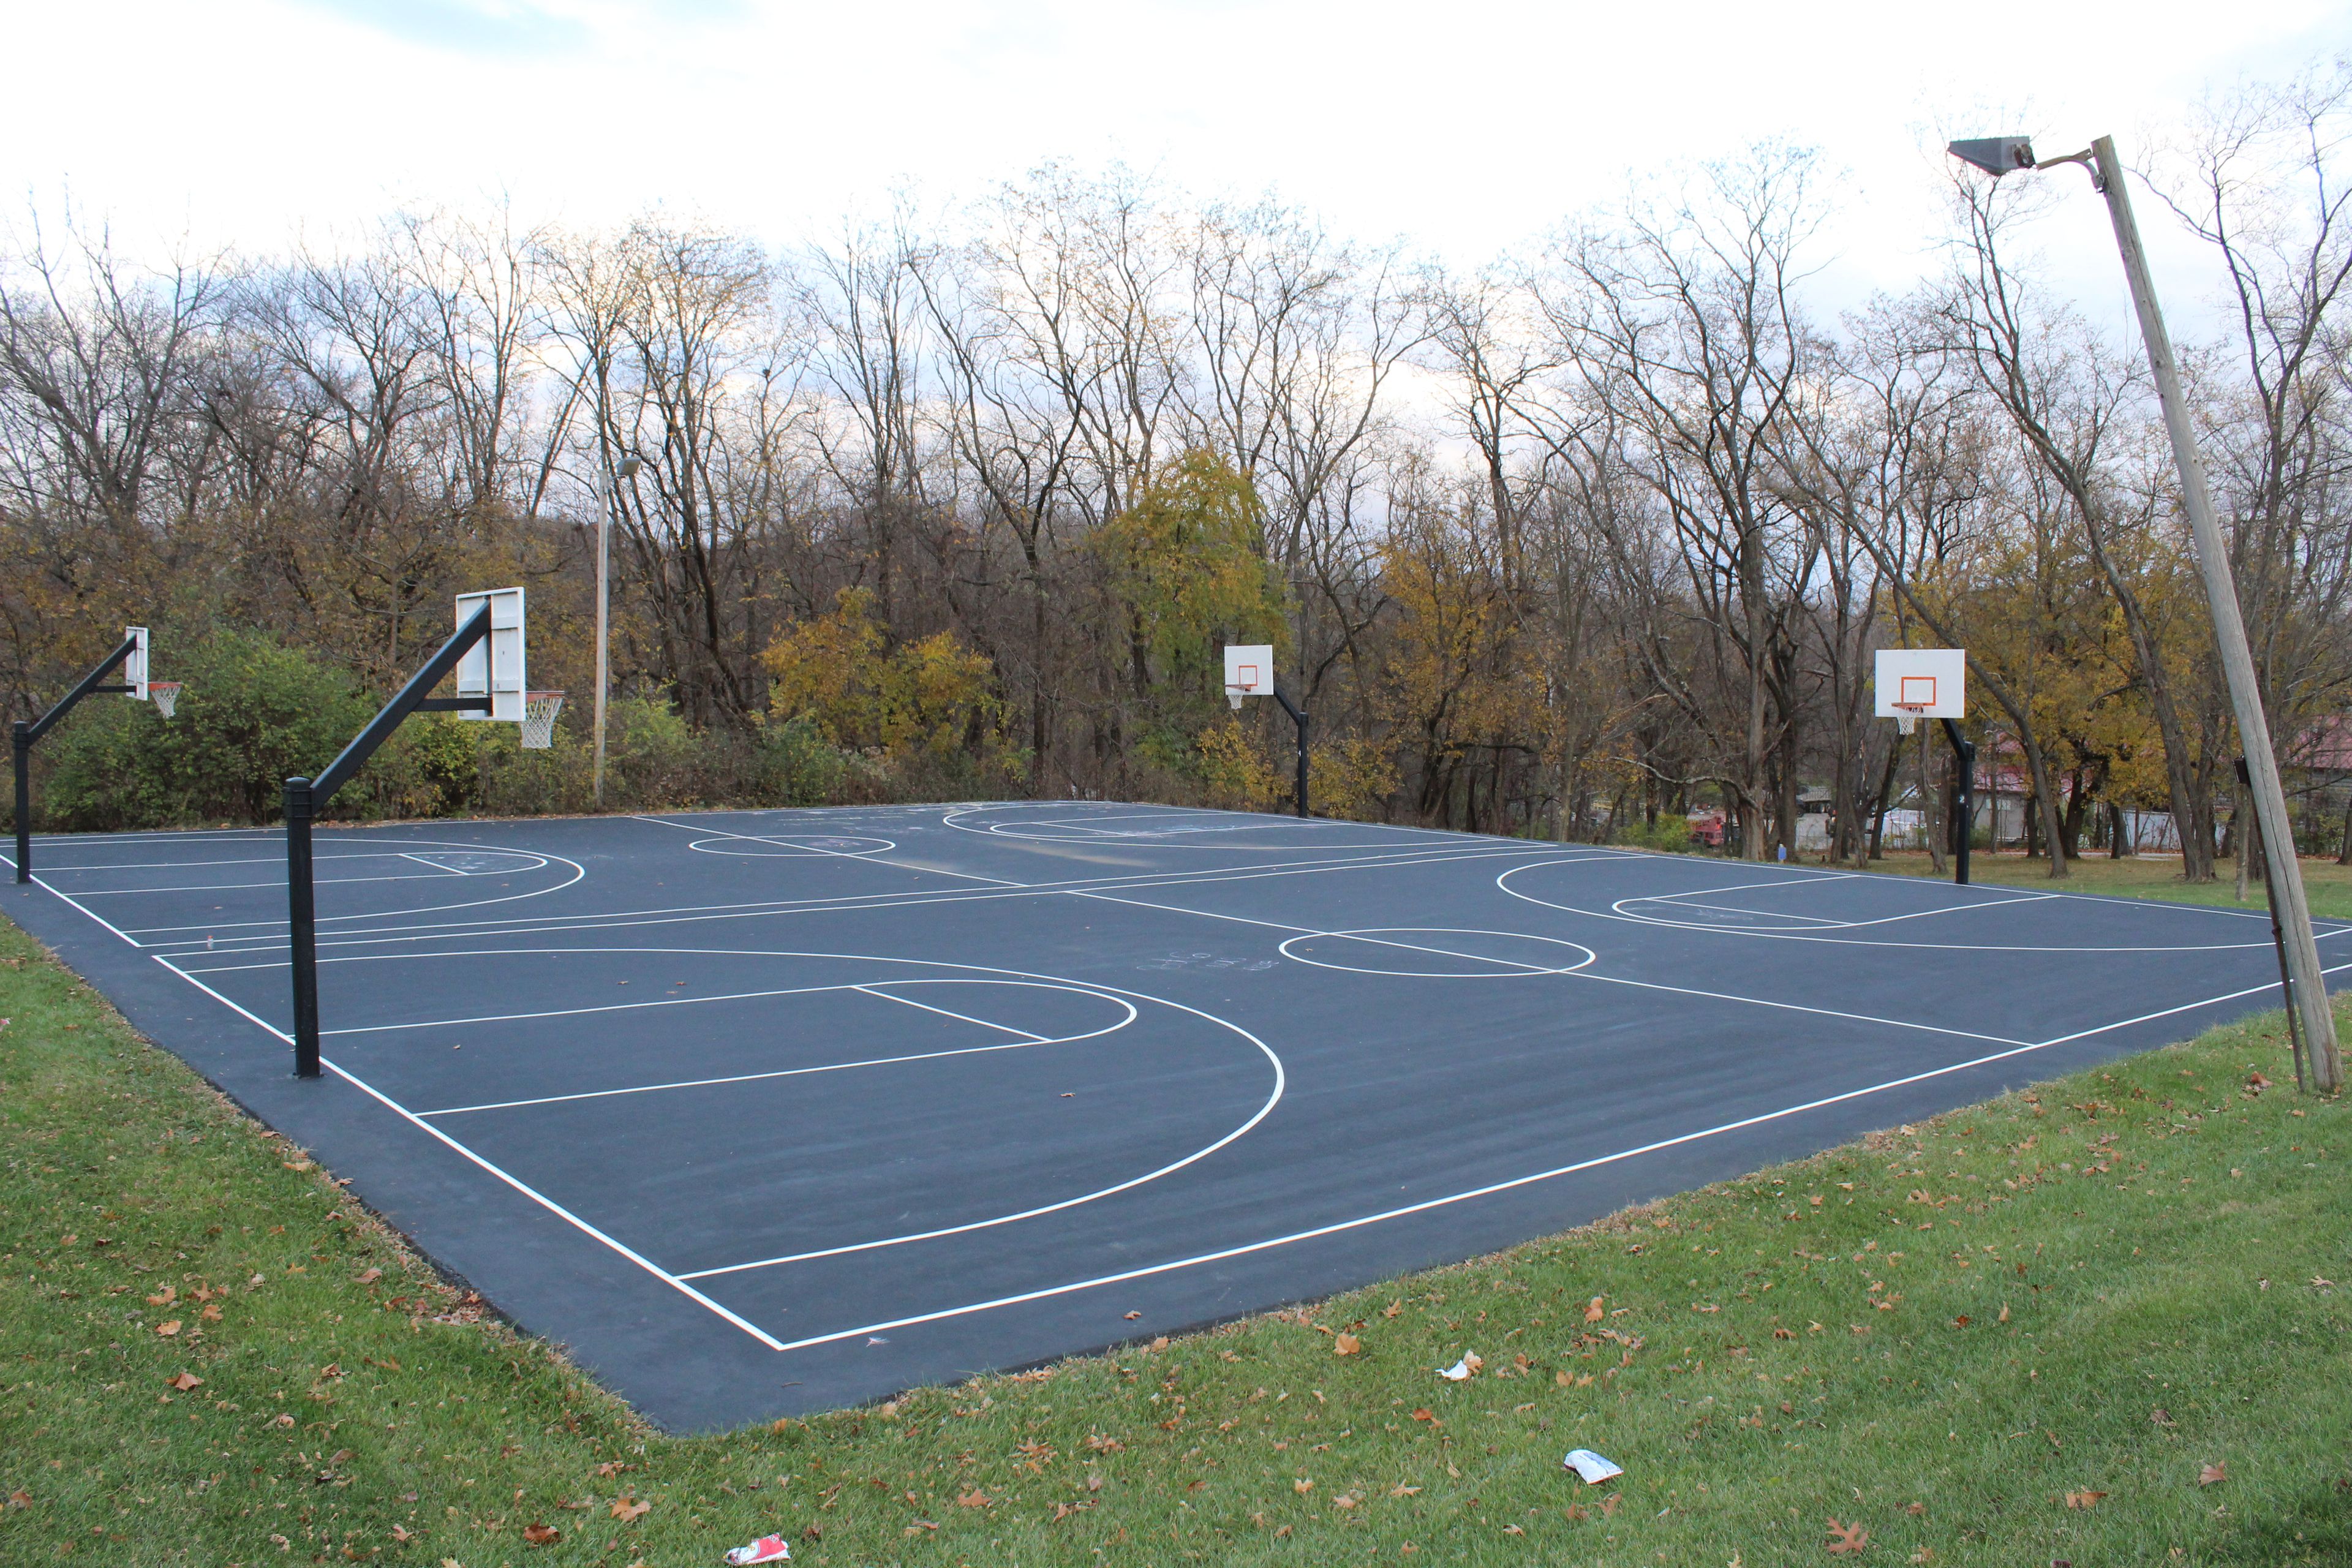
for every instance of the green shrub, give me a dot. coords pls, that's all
(1668, 832)
(251, 714)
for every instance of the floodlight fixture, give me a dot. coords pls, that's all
(1995, 155)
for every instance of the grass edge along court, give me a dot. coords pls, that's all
(2102, 1319)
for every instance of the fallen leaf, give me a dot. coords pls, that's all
(1784, 1333)
(370, 1276)
(1463, 1369)
(2257, 1082)
(184, 1381)
(1423, 1414)
(400, 1533)
(1400, 1489)
(1513, 1529)
(973, 1498)
(611, 1468)
(20, 1499)
(1160, 1344)
(211, 1313)
(1845, 1538)
(1102, 1444)
(2004, 1312)
(1132, 1316)
(169, 1328)
(1302, 1486)
(628, 1508)
(2162, 1417)
(541, 1534)
(2219, 1470)
(1576, 1514)
(1962, 1321)
(1608, 1505)
(1392, 1309)
(1343, 1500)
(2083, 1499)
(1592, 1310)
(1346, 1344)
(163, 1298)
(284, 1421)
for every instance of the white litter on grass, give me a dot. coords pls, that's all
(1591, 1466)
(1463, 1369)
(767, 1549)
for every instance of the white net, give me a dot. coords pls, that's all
(164, 694)
(1907, 722)
(539, 711)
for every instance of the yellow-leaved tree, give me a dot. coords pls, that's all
(839, 672)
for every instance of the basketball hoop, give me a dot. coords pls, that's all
(164, 694)
(539, 711)
(1907, 720)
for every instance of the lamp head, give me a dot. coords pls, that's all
(1995, 155)
(629, 466)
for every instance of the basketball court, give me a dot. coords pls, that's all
(764, 1113)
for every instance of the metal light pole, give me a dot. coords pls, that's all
(2306, 980)
(623, 471)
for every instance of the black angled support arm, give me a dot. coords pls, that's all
(306, 797)
(22, 735)
(1298, 717)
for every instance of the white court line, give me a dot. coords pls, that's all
(550, 1205)
(278, 882)
(1730, 909)
(1020, 1044)
(1489, 1190)
(781, 842)
(86, 911)
(1808, 880)
(1582, 974)
(1764, 934)
(515, 925)
(276, 931)
(185, 864)
(959, 1017)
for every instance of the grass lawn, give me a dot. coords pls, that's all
(2097, 1322)
(2326, 885)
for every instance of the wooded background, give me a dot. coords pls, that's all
(966, 506)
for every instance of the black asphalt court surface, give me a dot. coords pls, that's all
(764, 1113)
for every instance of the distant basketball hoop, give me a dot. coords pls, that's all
(539, 711)
(165, 695)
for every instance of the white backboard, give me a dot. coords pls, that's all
(493, 667)
(1249, 669)
(134, 668)
(1935, 679)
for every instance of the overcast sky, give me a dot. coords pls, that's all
(1459, 128)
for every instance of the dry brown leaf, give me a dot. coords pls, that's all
(1608, 1505)
(168, 1330)
(1914, 1508)
(2219, 1470)
(1346, 1344)
(2004, 1312)
(1160, 1344)
(400, 1533)
(1423, 1414)
(1846, 1538)
(1592, 1310)
(1400, 1489)
(628, 1508)
(1392, 1309)
(541, 1534)
(20, 1499)
(1132, 1316)
(1576, 1514)
(370, 1276)
(975, 1499)
(184, 1381)
(611, 1468)
(2083, 1499)
(1302, 1486)
(211, 1314)
(1343, 1500)
(163, 1298)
